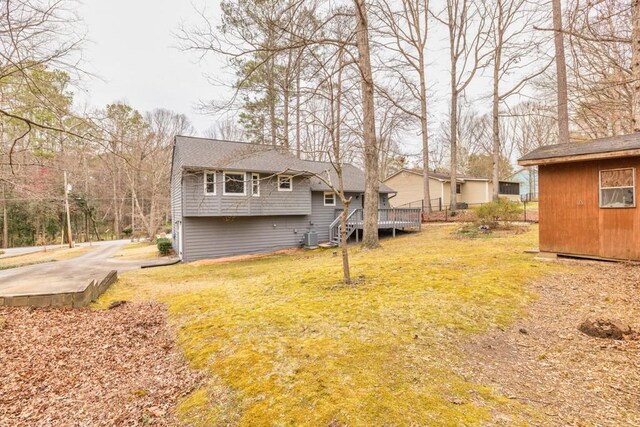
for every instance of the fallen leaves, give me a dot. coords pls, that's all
(90, 367)
(570, 377)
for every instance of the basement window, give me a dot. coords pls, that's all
(210, 183)
(618, 188)
(329, 199)
(285, 183)
(234, 184)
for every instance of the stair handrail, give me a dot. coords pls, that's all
(336, 223)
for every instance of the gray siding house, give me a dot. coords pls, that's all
(230, 198)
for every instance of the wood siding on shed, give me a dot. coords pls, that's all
(270, 202)
(571, 220)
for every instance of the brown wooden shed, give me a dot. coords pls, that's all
(588, 197)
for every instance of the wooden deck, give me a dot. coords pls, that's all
(388, 219)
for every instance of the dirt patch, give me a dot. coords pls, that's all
(606, 328)
(474, 231)
(90, 367)
(545, 361)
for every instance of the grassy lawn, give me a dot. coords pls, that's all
(285, 343)
(138, 250)
(57, 254)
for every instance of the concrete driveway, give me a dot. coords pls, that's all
(10, 252)
(70, 275)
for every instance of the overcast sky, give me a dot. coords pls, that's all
(132, 48)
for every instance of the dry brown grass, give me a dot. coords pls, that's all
(138, 250)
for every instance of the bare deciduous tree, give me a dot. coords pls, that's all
(467, 29)
(516, 56)
(371, 146)
(406, 23)
(561, 73)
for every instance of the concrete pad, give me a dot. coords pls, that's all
(65, 277)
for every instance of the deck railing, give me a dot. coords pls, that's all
(387, 219)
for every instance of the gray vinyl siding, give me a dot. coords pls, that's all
(176, 186)
(214, 237)
(176, 195)
(270, 201)
(322, 216)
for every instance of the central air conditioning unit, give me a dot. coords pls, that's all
(310, 240)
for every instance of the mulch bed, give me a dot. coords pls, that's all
(544, 361)
(90, 367)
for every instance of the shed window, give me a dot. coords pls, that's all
(234, 184)
(210, 183)
(618, 188)
(458, 188)
(329, 199)
(285, 183)
(511, 188)
(255, 184)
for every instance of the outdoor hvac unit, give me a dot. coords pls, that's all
(310, 239)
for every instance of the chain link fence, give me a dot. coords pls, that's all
(466, 212)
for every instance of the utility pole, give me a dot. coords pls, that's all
(66, 206)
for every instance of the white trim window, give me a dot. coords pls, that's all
(329, 198)
(255, 184)
(618, 188)
(209, 183)
(234, 184)
(285, 182)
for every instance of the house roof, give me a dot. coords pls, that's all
(444, 177)
(203, 153)
(602, 148)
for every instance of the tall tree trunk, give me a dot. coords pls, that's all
(561, 73)
(298, 112)
(635, 63)
(271, 90)
(453, 125)
(116, 212)
(346, 271)
(453, 198)
(426, 191)
(371, 149)
(5, 219)
(286, 95)
(497, 62)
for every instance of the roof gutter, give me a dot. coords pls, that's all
(578, 157)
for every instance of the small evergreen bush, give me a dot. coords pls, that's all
(504, 210)
(164, 246)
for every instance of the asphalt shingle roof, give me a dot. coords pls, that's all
(595, 146)
(202, 153)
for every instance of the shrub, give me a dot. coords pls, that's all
(503, 210)
(127, 231)
(164, 246)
